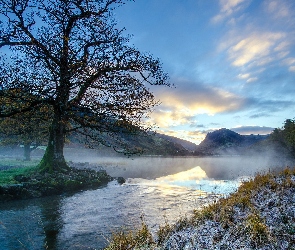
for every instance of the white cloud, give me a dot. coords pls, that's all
(181, 105)
(228, 8)
(282, 46)
(171, 117)
(283, 54)
(277, 8)
(192, 136)
(255, 47)
(247, 77)
(244, 76)
(252, 79)
(289, 61)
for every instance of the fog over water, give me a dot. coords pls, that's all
(223, 167)
(160, 188)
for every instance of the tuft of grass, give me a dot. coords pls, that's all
(127, 239)
(8, 176)
(256, 228)
(164, 232)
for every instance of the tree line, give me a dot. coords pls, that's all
(285, 136)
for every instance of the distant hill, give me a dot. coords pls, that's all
(227, 142)
(147, 143)
(186, 144)
(158, 144)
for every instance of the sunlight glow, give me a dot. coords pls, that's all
(194, 179)
(196, 173)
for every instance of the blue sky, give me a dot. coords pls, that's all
(232, 62)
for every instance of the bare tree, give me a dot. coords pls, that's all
(70, 55)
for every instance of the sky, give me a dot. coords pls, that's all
(232, 62)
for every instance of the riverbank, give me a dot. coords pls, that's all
(26, 183)
(260, 215)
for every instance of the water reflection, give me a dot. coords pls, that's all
(30, 224)
(85, 220)
(52, 221)
(194, 179)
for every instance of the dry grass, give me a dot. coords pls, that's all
(257, 216)
(127, 239)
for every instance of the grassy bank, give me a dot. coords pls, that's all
(260, 215)
(8, 176)
(24, 180)
(10, 168)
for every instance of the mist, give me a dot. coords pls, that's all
(151, 167)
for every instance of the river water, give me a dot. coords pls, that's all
(159, 189)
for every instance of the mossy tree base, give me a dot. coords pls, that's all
(53, 162)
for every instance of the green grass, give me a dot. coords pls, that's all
(20, 163)
(21, 168)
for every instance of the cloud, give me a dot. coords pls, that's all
(247, 130)
(278, 9)
(254, 48)
(197, 125)
(259, 115)
(252, 79)
(198, 133)
(289, 61)
(181, 105)
(171, 117)
(283, 46)
(214, 124)
(254, 52)
(244, 76)
(197, 136)
(192, 136)
(228, 8)
(267, 106)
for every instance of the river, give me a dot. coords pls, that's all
(159, 189)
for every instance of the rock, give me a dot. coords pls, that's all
(121, 180)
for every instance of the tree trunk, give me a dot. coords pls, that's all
(53, 159)
(27, 151)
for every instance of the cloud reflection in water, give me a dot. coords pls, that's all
(194, 179)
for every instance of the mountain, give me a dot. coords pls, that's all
(158, 144)
(186, 144)
(227, 142)
(147, 143)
